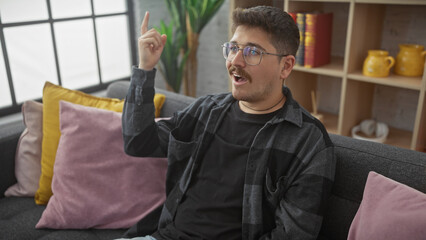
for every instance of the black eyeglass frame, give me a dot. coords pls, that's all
(244, 56)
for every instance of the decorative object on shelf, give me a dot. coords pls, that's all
(315, 107)
(370, 130)
(378, 63)
(410, 60)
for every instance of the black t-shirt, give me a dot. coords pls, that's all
(212, 205)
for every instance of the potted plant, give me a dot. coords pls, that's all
(172, 62)
(189, 18)
(198, 14)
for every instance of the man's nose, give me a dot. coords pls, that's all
(239, 59)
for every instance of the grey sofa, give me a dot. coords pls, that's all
(355, 159)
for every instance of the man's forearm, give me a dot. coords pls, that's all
(139, 128)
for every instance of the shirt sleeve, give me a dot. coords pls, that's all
(141, 134)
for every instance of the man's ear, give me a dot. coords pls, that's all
(287, 64)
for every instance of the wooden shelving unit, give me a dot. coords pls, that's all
(357, 28)
(333, 69)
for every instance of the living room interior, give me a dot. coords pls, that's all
(333, 83)
(89, 46)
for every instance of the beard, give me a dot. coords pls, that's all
(249, 92)
(256, 95)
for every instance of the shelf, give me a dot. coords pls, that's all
(359, 26)
(330, 122)
(414, 83)
(405, 2)
(335, 1)
(396, 137)
(399, 138)
(334, 69)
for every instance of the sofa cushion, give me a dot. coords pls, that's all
(95, 184)
(9, 137)
(389, 210)
(52, 94)
(28, 152)
(19, 215)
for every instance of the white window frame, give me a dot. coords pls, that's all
(16, 107)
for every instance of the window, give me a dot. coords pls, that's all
(78, 44)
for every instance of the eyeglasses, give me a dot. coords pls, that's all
(251, 54)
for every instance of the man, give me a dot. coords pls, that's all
(251, 164)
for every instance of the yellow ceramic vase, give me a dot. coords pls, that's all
(378, 63)
(410, 60)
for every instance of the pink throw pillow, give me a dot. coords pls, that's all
(95, 184)
(390, 211)
(28, 152)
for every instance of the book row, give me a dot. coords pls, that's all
(315, 30)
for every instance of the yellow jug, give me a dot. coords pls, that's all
(410, 60)
(377, 63)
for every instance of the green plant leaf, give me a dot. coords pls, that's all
(204, 7)
(173, 59)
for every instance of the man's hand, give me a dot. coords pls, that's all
(150, 45)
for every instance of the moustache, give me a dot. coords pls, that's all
(240, 72)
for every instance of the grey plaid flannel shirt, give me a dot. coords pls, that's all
(290, 167)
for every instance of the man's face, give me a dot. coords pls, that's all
(259, 83)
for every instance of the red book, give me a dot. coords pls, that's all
(318, 27)
(293, 15)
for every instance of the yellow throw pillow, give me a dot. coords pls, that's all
(52, 94)
(159, 100)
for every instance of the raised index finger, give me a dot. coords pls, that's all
(144, 26)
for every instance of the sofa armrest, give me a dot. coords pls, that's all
(174, 102)
(118, 89)
(9, 137)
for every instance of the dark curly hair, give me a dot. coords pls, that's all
(278, 24)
